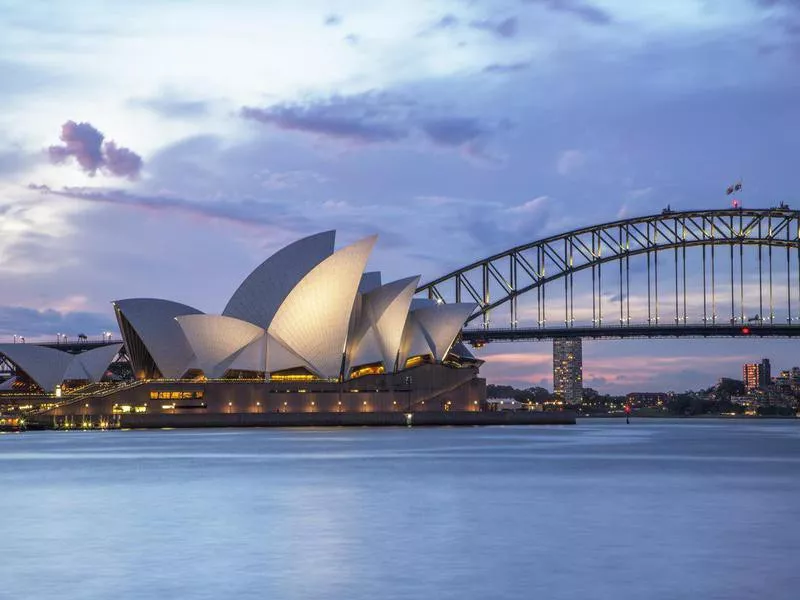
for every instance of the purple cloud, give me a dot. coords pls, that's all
(371, 118)
(33, 323)
(247, 213)
(122, 162)
(446, 22)
(453, 131)
(84, 143)
(507, 28)
(363, 118)
(81, 141)
(585, 11)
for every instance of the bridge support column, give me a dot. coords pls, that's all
(568, 369)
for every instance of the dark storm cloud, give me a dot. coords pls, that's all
(503, 68)
(85, 144)
(370, 118)
(506, 28)
(584, 11)
(29, 322)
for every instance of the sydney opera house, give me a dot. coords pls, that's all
(308, 331)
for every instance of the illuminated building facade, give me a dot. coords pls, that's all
(757, 375)
(307, 331)
(568, 369)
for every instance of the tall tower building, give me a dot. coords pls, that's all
(757, 375)
(568, 369)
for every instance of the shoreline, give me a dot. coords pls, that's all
(344, 419)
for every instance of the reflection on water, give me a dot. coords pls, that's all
(657, 509)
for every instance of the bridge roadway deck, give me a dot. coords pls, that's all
(478, 336)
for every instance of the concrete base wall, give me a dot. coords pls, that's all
(428, 388)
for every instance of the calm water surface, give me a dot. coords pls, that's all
(656, 509)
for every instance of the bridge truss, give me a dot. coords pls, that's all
(709, 272)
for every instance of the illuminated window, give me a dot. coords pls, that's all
(371, 369)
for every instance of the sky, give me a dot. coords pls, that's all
(164, 148)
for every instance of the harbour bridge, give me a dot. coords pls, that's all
(699, 273)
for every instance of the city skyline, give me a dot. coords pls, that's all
(452, 129)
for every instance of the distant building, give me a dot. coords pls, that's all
(757, 375)
(568, 369)
(647, 399)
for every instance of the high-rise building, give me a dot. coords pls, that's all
(568, 369)
(757, 375)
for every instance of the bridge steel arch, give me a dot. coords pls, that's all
(503, 278)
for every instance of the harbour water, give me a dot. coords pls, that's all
(657, 509)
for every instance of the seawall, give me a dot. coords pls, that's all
(367, 419)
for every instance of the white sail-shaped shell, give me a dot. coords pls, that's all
(91, 365)
(441, 324)
(45, 366)
(252, 357)
(260, 295)
(414, 342)
(387, 309)
(216, 340)
(153, 321)
(314, 318)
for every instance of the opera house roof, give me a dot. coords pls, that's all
(308, 309)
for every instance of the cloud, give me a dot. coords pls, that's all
(248, 213)
(570, 161)
(84, 143)
(16, 160)
(536, 206)
(454, 131)
(173, 107)
(363, 118)
(352, 39)
(507, 28)
(370, 118)
(332, 20)
(446, 22)
(122, 162)
(506, 67)
(32, 324)
(584, 11)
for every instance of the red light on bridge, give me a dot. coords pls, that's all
(745, 331)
